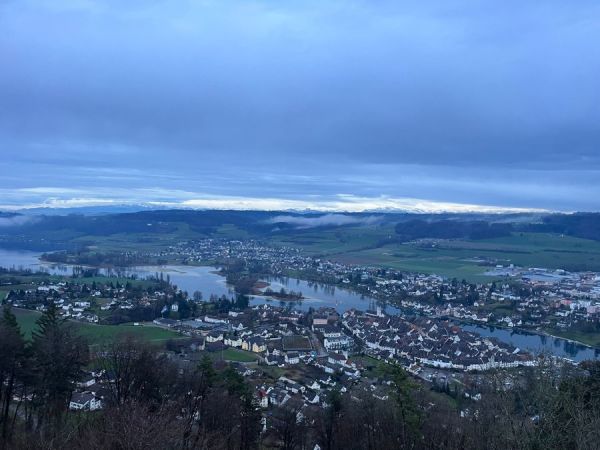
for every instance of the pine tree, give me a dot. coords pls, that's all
(13, 355)
(59, 355)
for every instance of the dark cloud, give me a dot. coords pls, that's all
(467, 101)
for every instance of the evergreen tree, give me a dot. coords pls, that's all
(59, 356)
(13, 355)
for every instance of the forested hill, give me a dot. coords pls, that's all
(48, 232)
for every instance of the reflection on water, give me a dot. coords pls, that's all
(205, 280)
(537, 343)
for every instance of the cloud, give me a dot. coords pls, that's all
(16, 221)
(464, 102)
(164, 198)
(325, 220)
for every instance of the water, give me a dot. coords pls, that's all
(317, 295)
(537, 343)
(205, 280)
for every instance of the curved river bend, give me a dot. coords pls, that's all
(207, 281)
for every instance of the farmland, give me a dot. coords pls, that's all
(469, 259)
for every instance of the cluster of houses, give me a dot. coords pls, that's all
(530, 298)
(87, 302)
(431, 293)
(429, 342)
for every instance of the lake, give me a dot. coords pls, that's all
(205, 280)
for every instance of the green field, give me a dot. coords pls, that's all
(377, 245)
(234, 354)
(592, 339)
(336, 241)
(99, 334)
(455, 258)
(374, 245)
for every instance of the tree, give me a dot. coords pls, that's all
(328, 424)
(134, 371)
(59, 355)
(194, 403)
(13, 355)
(403, 391)
(289, 429)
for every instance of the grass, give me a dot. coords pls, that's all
(373, 367)
(234, 354)
(99, 334)
(336, 241)
(273, 372)
(454, 258)
(374, 245)
(592, 339)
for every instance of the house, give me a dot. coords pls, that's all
(312, 398)
(319, 320)
(336, 358)
(169, 323)
(233, 341)
(337, 343)
(263, 398)
(214, 336)
(292, 358)
(216, 320)
(237, 326)
(315, 386)
(278, 397)
(82, 304)
(197, 345)
(86, 382)
(273, 350)
(328, 331)
(272, 360)
(84, 401)
(254, 344)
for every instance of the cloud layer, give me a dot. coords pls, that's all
(462, 102)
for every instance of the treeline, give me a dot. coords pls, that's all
(88, 258)
(282, 294)
(581, 225)
(451, 229)
(37, 377)
(149, 402)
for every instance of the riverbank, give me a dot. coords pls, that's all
(591, 340)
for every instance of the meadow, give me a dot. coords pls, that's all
(460, 258)
(98, 335)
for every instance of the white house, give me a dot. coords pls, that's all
(84, 401)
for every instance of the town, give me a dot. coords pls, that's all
(298, 358)
(542, 300)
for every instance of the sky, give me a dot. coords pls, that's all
(327, 105)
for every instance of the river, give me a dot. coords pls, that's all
(206, 280)
(537, 343)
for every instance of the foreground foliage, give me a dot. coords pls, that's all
(150, 402)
